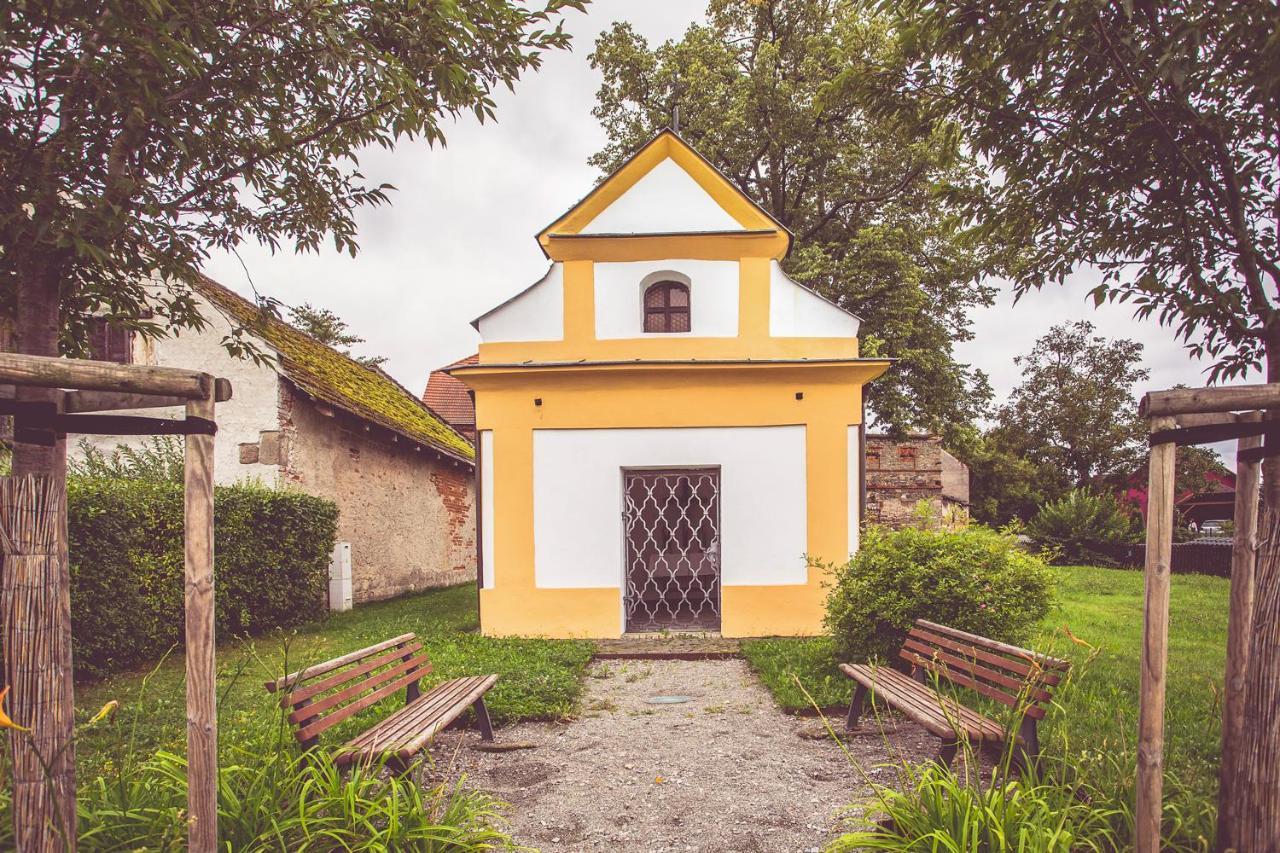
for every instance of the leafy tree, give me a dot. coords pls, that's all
(874, 207)
(328, 328)
(135, 137)
(1138, 137)
(1074, 412)
(1003, 486)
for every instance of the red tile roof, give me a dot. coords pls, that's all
(448, 397)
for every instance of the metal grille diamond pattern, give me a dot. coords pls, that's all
(672, 524)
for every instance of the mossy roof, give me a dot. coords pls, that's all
(326, 374)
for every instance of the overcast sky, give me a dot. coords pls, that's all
(458, 237)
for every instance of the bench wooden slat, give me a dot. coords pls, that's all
(995, 645)
(305, 693)
(413, 666)
(973, 684)
(404, 720)
(921, 704)
(411, 728)
(328, 721)
(975, 669)
(1020, 666)
(318, 669)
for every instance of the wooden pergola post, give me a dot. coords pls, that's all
(98, 387)
(1249, 794)
(1244, 554)
(202, 714)
(1155, 640)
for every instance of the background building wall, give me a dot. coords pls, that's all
(409, 517)
(903, 472)
(250, 411)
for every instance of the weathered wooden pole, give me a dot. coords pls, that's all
(1244, 552)
(1258, 786)
(202, 721)
(1155, 641)
(35, 603)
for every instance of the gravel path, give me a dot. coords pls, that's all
(726, 771)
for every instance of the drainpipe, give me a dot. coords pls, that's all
(479, 508)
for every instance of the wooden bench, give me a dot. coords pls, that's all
(1019, 678)
(321, 696)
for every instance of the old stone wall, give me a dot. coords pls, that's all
(409, 516)
(900, 473)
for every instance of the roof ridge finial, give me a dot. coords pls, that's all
(675, 119)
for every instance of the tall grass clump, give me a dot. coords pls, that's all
(1083, 528)
(271, 796)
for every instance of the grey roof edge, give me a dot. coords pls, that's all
(475, 324)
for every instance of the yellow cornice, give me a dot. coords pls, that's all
(702, 246)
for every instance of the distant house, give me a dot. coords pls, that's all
(1218, 503)
(451, 400)
(900, 473)
(323, 423)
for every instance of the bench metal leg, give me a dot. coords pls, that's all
(855, 707)
(482, 719)
(947, 754)
(1027, 750)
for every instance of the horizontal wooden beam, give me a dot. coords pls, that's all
(1213, 418)
(111, 401)
(83, 375)
(1229, 398)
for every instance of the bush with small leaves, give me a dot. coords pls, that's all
(975, 579)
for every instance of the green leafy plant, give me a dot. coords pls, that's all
(1078, 527)
(272, 548)
(975, 579)
(159, 459)
(932, 809)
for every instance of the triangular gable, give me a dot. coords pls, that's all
(665, 187)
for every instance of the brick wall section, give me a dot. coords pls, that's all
(457, 489)
(901, 473)
(408, 515)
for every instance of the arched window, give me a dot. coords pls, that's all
(666, 307)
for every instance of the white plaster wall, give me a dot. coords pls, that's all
(797, 312)
(855, 493)
(253, 407)
(535, 315)
(486, 507)
(577, 499)
(664, 200)
(713, 297)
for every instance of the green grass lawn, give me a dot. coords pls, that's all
(540, 679)
(1097, 718)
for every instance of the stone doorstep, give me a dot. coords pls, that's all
(670, 646)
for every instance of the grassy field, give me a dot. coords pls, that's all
(540, 679)
(1096, 721)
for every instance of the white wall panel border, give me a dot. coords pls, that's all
(577, 499)
(713, 297)
(797, 312)
(855, 489)
(486, 508)
(537, 314)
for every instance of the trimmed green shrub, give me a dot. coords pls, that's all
(1078, 528)
(271, 551)
(975, 579)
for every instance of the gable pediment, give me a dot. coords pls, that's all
(665, 188)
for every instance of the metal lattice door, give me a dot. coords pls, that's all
(672, 525)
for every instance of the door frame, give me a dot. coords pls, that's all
(626, 470)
